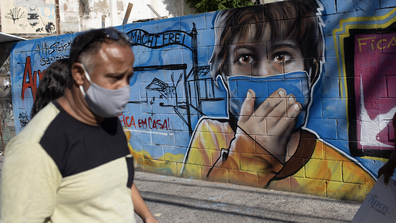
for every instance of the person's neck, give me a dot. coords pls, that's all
(74, 104)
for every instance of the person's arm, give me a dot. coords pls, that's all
(29, 182)
(389, 168)
(140, 206)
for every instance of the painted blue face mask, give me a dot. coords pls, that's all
(105, 102)
(296, 83)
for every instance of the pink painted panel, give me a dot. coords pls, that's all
(375, 65)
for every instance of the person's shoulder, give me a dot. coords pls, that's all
(349, 165)
(214, 124)
(36, 127)
(28, 140)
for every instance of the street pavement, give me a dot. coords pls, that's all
(173, 199)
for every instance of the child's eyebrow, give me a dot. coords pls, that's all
(249, 47)
(276, 46)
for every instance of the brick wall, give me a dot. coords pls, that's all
(316, 120)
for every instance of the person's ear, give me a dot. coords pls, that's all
(77, 73)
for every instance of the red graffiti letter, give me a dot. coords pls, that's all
(41, 74)
(32, 79)
(132, 122)
(123, 119)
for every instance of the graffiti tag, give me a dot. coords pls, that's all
(377, 43)
(158, 40)
(30, 78)
(15, 14)
(145, 123)
(23, 119)
(55, 47)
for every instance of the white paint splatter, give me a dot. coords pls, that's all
(370, 128)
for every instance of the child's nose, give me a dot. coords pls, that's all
(263, 69)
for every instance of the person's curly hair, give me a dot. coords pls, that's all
(52, 85)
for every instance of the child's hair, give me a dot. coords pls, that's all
(52, 85)
(295, 20)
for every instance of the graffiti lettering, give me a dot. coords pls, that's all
(140, 37)
(55, 47)
(31, 83)
(377, 43)
(50, 60)
(145, 123)
(157, 40)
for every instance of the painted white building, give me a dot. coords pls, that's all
(69, 16)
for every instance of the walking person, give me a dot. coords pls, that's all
(71, 163)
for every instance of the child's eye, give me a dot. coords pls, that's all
(246, 59)
(281, 58)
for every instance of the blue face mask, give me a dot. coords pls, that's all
(296, 83)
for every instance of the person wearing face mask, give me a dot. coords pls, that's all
(71, 163)
(269, 65)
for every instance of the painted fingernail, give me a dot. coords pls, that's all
(291, 99)
(248, 95)
(281, 93)
(296, 107)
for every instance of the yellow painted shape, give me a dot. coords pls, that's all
(319, 151)
(166, 167)
(324, 170)
(375, 158)
(283, 185)
(200, 157)
(243, 178)
(310, 186)
(348, 191)
(300, 173)
(352, 175)
(173, 157)
(216, 174)
(192, 171)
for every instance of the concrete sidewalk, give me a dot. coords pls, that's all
(173, 199)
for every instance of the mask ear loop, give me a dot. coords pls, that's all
(88, 78)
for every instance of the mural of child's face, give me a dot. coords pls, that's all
(264, 57)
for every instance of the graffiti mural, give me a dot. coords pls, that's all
(28, 17)
(29, 59)
(290, 95)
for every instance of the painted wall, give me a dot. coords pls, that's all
(39, 16)
(316, 120)
(19, 16)
(82, 15)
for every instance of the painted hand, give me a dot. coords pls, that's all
(271, 125)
